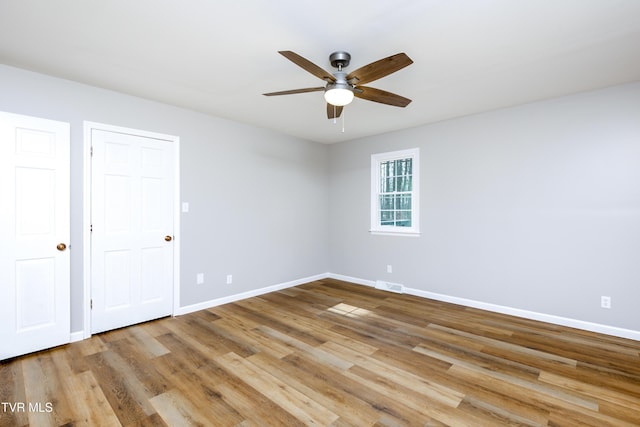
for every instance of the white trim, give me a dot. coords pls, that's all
(86, 227)
(356, 280)
(77, 336)
(243, 295)
(531, 315)
(394, 233)
(526, 314)
(86, 216)
(177, 216)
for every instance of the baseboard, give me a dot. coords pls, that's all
(356, 280)
(526, 314)
(243, 295)
(531, 315)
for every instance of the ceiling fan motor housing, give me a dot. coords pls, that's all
(340, 59)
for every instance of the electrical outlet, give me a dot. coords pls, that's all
(229, 279)
(605, 302)
(200, 278)
(389, 268)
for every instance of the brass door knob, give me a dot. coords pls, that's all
(168, 238)
(61, 247)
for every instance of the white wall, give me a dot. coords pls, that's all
(258, 199)
(535, 207)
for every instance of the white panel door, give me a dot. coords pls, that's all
(35, 231)
(132, 229)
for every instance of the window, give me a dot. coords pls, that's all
(395, 179)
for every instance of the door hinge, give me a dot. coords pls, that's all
(91, 304)
(90, 228)
(91, 151)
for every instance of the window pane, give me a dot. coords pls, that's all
(403, 219)
(387, 218)
(386, 202)
(386, 169)
(388, 185)
(404, 183)
(403, 202)
(399, 182)
(403, 167)
(399, 165)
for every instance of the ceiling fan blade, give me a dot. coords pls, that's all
(381, 96)
(292, 91)
(333, 111)
(378, 69)
(307, 65)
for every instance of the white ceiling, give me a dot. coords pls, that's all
(218, 57)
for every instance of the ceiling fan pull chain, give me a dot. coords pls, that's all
(335, 119)
(344, 113)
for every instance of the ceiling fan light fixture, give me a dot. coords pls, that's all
(339, 95)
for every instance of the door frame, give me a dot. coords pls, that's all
(86, 214)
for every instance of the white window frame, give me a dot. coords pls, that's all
(376, 161)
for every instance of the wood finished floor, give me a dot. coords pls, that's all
(330, 353)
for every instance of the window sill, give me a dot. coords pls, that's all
(395, 233)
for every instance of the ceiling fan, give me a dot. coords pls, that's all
(342, 87)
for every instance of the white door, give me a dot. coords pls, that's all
(132, 229)
(34, 230)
